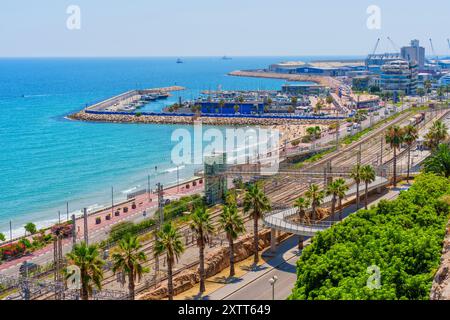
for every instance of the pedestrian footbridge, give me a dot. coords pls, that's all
(279, 220)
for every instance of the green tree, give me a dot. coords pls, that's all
(355, 174)
(202, 226)
(428, 85)
(394, 137)
(410, 135)
(315, 196)
(437, 134)
(256, 203)
(128, 260)
(329, 99)
(367, 176)
(302, 204)
(421, 93)
(2, 237)
(30, 228)
(236, 108)
(440, 92)
(233, 225)
(87, 258)
(439, 161)
(168, 240)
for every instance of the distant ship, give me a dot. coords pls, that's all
(226, 58)
(179, 60)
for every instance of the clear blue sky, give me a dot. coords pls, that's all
(217, 27)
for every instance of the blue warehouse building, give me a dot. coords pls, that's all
(229, 107)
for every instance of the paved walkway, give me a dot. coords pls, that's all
(99, 232)
(279, 219)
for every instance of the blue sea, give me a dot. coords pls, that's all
(47, 160)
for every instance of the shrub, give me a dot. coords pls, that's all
(12, 250)
(63, 229)
(402, 237)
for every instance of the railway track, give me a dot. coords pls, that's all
(290, 187)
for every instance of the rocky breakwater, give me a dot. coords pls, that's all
(206, 120)
(216, 261)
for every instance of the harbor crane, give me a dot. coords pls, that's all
(396, 48)
(432, 50)
(376, 46)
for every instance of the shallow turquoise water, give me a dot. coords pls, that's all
(46, 160)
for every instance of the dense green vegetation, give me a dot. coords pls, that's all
(402, 237)
(127, 228)
(185, 204)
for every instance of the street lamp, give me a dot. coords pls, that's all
(272, 282)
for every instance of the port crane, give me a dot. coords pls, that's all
(432, 50)
(376, 46)
(396, 48)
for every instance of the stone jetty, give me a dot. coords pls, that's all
(187, 120)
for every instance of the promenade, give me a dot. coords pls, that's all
(98, 232)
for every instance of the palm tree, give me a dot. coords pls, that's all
(341, 192)
(233, 225)
(87, 258)
(410, 136)
(355, 174)
(256, 202)
(128, 260)
(332, 190)
(168, 239)
(394, 137)
(315, 195)
(368, 176)
(439, 161)
(202, 226)
(231, 197)
(437, 134)
(337, 190)
(302, 204)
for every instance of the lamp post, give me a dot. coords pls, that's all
(272, 282)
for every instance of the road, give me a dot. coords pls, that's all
(261, 289)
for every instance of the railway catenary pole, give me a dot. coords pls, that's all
(85, 219)
(74, 230)
(161, 222)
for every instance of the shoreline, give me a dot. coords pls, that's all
(144, 202)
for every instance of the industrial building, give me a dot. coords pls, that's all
(399, 76)
(247, 107)
(374, 62)
(414, 54)
(319, 68)
(303, 89)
